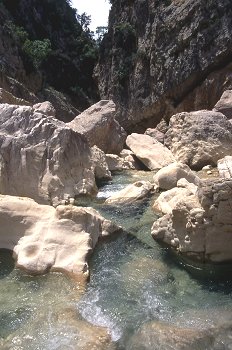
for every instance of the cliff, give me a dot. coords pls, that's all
(163, 57)
(47, 53)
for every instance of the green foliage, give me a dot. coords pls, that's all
(100, 32)
(37, 50)
(125, 36)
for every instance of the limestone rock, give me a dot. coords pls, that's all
(130, 157)
(99, 126)
(199, 138)
(44, 238)
(200, 228)
(224, 166)
(172, 57)
(167, 177)
(45, 108)
(42, 158)
(100, 165)
(132, 193)
(152, 153)
(224, 105)
(116, 163)
(156, 134)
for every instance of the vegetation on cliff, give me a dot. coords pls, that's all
(55, 42)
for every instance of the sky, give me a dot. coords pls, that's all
(97, 9)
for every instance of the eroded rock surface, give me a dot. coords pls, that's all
(99, 126)
(150, 152)
(199, 138)
(45, 238)
(131, 193)
(200, 229)
(224, 166)
(41, 157)
(224, 105)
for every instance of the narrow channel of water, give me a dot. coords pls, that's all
(135, 286)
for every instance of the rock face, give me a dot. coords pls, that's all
(167, 177)
(99, 126)
(199, 138)
(44, 238)
(164, 57)
(150, 152)
(132, 193)
(42, 158)
(201, 229)
(224, 105)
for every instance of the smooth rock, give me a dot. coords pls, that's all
(132, 193)
(44, 238)
(167, 177)
(100, 165)
(224, 105)
(224, 166)
(99, 126)
(42, 158)
(199, 138)
(156, 134)
(152, 153)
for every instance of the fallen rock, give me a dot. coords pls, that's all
(42, 158)
(224, 166)
(44, 238)
(152, 153)
(167, 177)
(99, 126)
(132, 193)
(116, 163)
(100, 167)
(199, 138)
(156, 134)
(200, 228)
(130, 157)
(224, 105)
(45, 108)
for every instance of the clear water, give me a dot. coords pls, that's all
(134, 283)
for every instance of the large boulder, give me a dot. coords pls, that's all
(199, 138)
(201, 229)
(167, 177)
(224, 105)
(132, 193)
(150, 152)
(46, 108)
(99, 126)
(45, 238)
(41, 157)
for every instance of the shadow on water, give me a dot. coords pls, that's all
(7, 263)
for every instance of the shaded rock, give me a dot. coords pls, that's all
(44, 238)
(151, 152)
(199, 228)
(199, 138)
(224, 105)
(7, 97)
(99, 126)
(100, 167)
(156, 134)
(167, 177)
(163, 336)
(224, 166)
(133, 192)
(45, 108)
(41, 158)
(130, 157)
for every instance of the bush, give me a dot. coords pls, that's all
(37, 50)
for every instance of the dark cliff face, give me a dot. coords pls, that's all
(164, 56)
(48, 48)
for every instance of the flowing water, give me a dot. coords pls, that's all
(135, 289)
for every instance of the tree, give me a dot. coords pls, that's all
(100, 32)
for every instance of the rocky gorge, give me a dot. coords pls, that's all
(149, 204)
